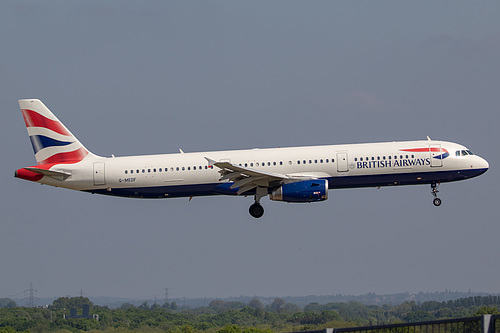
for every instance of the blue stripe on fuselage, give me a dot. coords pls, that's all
(177, 191)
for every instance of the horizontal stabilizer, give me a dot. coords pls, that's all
(59, 175)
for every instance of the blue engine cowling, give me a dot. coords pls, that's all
(303, 191)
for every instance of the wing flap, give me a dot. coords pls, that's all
(246, 179)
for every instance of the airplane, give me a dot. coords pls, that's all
(291, 174)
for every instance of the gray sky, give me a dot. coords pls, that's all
(130, 77)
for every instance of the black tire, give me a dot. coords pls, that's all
(256, 210)
(436, 202)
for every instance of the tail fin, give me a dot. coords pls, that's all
(52, 142)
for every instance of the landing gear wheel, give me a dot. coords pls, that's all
(434, 191)
(256, 210)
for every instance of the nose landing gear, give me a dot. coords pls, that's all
(434, 191)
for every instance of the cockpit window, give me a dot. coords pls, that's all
(463, 152)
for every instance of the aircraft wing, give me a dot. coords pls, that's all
(247, 179)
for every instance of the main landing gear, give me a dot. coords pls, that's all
(256, 210)
(434, 191)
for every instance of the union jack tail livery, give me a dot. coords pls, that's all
(293, 174)
(52, 142)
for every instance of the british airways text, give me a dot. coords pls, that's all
(395, 163)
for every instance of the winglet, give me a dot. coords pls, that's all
(210, 161)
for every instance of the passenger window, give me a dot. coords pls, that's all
(154, 170)
(143, 171)
(268, 163)
(298, 162)
(206, 167)
(289, 162)
(304, 161)
(281, 163)
(126, 171)
(177, 168)
(274, 163)
(159, 170)
(189, 168)
(194, 168)
(361, 159)
(256, 163)
(320, 161)
(131, 171)
(326, 160)
(251, 164)
(137, 171)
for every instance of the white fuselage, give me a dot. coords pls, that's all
(344, 166)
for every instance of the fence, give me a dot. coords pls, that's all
(480, 324)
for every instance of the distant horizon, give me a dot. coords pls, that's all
(117, 301)
(3, 295)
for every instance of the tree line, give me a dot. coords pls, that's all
(231, 316)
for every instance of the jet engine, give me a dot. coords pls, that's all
(302, 191)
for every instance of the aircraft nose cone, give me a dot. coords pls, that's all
(481, 165)
(484, 164)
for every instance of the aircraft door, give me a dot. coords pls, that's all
(99, 176)
(436, 155)
(342, 162)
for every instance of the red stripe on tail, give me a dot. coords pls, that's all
(66, 158)
(34, 119)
